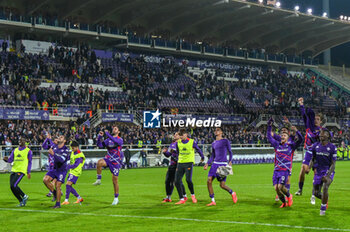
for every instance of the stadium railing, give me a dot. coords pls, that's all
(242, 154)
(55, 24)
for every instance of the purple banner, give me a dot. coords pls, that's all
(296, 121)
(70, 112)
(22, 114)
(117, 117)
(194, 63)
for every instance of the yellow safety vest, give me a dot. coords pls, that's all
(186, 151)
(20, 161)
(78, 170)
(159, 143)
(140, 143)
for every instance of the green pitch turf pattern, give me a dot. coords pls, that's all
(140, 207)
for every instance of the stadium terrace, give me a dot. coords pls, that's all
(163, 115)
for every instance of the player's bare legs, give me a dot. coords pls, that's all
(116, 189)
(210, 185)
(58, 194)
(283, 190)
(48, 181)
(101, 163)
(287, 185)
(115, 184)
(304, 170)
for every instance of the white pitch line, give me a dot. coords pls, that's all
(178, 219)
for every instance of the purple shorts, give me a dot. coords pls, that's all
(72, 178)
(50, 167)
(212, 172)
(318, 177)
(58, 175)
(113, 166)
(280, 177)
(307, 158)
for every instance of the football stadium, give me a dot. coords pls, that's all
(188, 115)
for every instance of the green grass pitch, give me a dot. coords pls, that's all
(140, 207)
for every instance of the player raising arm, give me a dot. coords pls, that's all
(313, 126)
(60, 154)
(283, 162)
(113, 160)
(291, 131)
(47, 144)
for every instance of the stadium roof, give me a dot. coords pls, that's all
(232, 22)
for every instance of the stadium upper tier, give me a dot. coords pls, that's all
(225, 24)
(148, 81)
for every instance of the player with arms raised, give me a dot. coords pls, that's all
(218, 158)
(313, 127)
(113, 160)
(60, 155)
(47, 144)
(291, 131)
(283, 162)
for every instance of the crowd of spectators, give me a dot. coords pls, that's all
(147, 84)
(37, 131)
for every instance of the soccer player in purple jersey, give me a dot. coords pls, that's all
(220, 147)
(113, 160)
(283, 162)
(313, 127)
(47, 144)
(170, 175)
(61, 155)
(286, 129)
(324, 156)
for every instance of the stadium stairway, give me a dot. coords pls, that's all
(329, 81)
(94, 121)
(336, 74)
(137, 118)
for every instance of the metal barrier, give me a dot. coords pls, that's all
(243, 153)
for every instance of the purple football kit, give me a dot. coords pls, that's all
(47, 145)
(311, 137)
(323, 157)
(61, 157)
(283, 157)
(172, 153)
(219, 157)
(114, 157)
